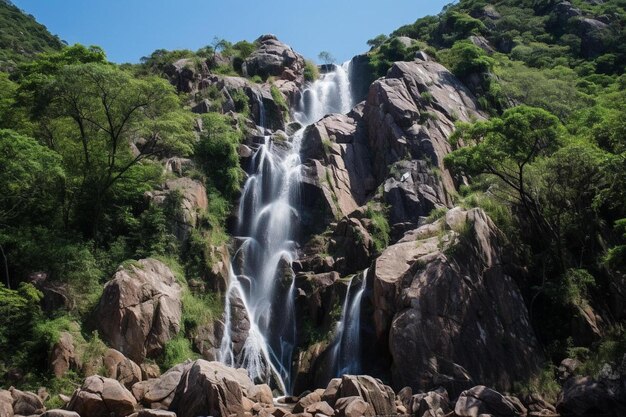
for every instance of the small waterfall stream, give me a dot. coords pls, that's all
(345, 353)
(260, 298)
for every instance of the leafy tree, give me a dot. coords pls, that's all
(377, 41)
(326, 57)
(99, 112)
(465, 58)
(505, 147)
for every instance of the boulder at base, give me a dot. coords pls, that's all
(140, 309)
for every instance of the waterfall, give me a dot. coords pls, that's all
(345, 353)
(260, 325)
(330, 94)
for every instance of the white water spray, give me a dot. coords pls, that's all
(259, 292)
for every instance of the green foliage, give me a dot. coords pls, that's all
(176, 351)
(200, 309)
(279, 99)
(21, 37)
(436, 214)
(311, 73)
(326, 57)
(377, 41)
(216, 152)
(465, 58)
(31, 178)
(544, 384)
(380, 226)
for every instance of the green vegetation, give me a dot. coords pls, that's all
(311, 73)
(380, 225)
(81, 147)
(21, 37)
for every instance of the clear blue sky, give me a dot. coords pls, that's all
(130, 29)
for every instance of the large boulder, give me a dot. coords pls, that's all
(6, 403)
(63, 356)
(102, 397)
(211, 388)
(410, 114)
(481, 400)
(140, 309)
(585, 396)
(448, 311)
(26, 403)
(185, 74)
(60, 413)
(158, 393)
(379, 397)
(121, 368)
(431, 404)
(273, 57)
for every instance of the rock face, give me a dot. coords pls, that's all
(583, 396)
(63, 356)
(272, 57)
(410, 114)
(121, 368)
(211, 388)
(159, 393)
(102, 397)
(140, 309)
(398, 137)
(190, 196)
(23, 403)
(481, 400)
(447, 310)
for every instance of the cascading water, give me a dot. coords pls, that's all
(345, 352)
(260, 298)
(330, 94)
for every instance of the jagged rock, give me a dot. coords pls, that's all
(331, 391)
(584, 396)
(206, 339)
(177, 165)
(482, 43)
(534, 403)
(398, 111)
(442, 303)
(159, 393)
(567, 369)
(184, 75)
(211, 388)
(261, 394)
(353, 406)
(352, 242)
(6, 403)
(306, 401)
(140, 309)
(272, 57)
(338, 168)
(60, 413)
(431, 404)
(121, 368)
(594, 36)
(320, 408)
(63, 356)
(482, 400)
(26, 403)
(586, 326)
(193, 201)
(380, 397)
(102, 397)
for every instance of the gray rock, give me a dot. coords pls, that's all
(140, 309)
(482, 400)
(102, 397)
(211, 388)
(426, 296)
(272, 57)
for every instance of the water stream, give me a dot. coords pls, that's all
(260, 321)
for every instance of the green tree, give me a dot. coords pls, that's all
(505, 147)
(105, 124)
(326, 57)
(377, 41)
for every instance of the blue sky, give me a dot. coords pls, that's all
(130, 29)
